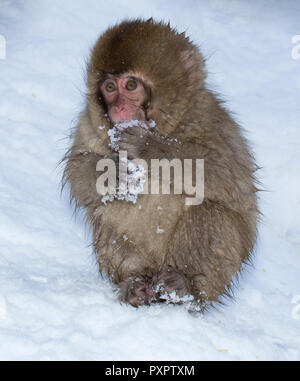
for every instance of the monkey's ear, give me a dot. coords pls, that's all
(191, 67)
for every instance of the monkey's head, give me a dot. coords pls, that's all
(146, 71)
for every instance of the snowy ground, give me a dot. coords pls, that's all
(53, 303)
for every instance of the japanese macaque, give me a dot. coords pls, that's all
(158, 248)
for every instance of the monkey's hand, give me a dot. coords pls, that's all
(134, 140)
(145, 144)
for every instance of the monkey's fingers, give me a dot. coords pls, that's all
(132, 138)
(131, 149)
(137, 131)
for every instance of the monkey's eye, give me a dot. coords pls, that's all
(131, 85)
(110, 87)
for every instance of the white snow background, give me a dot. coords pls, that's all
(53, 303)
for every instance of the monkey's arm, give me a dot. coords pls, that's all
(223, 184)
(80, 172)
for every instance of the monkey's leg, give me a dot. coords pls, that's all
(125, 264)
(208, 248)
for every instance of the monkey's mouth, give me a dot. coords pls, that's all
(127, 114)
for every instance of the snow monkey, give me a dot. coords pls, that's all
(147, 97)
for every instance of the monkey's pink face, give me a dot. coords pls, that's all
(125, 97)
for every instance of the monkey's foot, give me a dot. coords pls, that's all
(137, 292)
(171, 286)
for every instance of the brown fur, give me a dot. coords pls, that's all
(203, 247)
